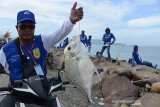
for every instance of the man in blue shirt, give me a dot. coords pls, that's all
(34, 48)
(83, 38)
(135, 55)
(137, 60)
(108, 39)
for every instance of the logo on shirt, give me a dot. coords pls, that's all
(26, 12)
(14, 58)
(36, 53)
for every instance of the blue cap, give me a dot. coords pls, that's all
(25, 15)
(135, 47)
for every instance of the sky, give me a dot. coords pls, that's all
(133, 22)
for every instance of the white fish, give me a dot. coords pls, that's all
(78, 67)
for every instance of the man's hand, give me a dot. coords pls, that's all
(76, 14)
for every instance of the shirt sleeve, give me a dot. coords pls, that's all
(114, 39)
(2, 58)
(51, 39)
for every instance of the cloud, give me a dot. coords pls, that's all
(98, 14)
(144, 22)
(41, 8)
(107, 10)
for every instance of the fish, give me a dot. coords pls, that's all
(79, 69)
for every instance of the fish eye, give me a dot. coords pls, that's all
(69, 48)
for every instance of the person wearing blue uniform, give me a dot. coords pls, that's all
(83, 38)
(65, 42)
(32, 49)
(136, 59)
(135, 55)
(108, 39)
(89, 43)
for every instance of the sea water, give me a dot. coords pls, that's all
(120, 51)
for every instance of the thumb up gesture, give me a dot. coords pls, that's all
(76, 14)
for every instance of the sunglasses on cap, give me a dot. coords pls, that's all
(26, 26)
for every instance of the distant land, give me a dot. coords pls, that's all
(98, 41)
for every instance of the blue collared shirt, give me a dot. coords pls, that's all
(83, 39)
(107, 37)
(136, 58)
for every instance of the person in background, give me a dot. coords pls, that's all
(65, 42)
(27, 53)
(83, 38)
(2, 42)
(60, 45)
(89, 43)
(108, 39)
(136, 59)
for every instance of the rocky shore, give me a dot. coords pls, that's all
(122, 84)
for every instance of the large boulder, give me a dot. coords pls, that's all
(155, 87)
(148, 100)
(143, 72)
(119, 88)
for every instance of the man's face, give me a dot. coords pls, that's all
(107, 31)
(25, 30)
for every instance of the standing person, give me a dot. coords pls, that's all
(83, 38)
(108, 39)
(32, 47)
(137, 60)
(89, 43)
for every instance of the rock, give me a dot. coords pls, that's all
(124, 105)
(155, 87)
(142, 83)
(114, 86)
(119, 87)
(122, 70)
(144, 73)
(148, 100)
(100, 70)
(58, 56)
(147, 87)
(125, 72)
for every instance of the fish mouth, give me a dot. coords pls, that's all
(74, 46)
(73, 52)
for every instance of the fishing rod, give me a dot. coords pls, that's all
(125, 43)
